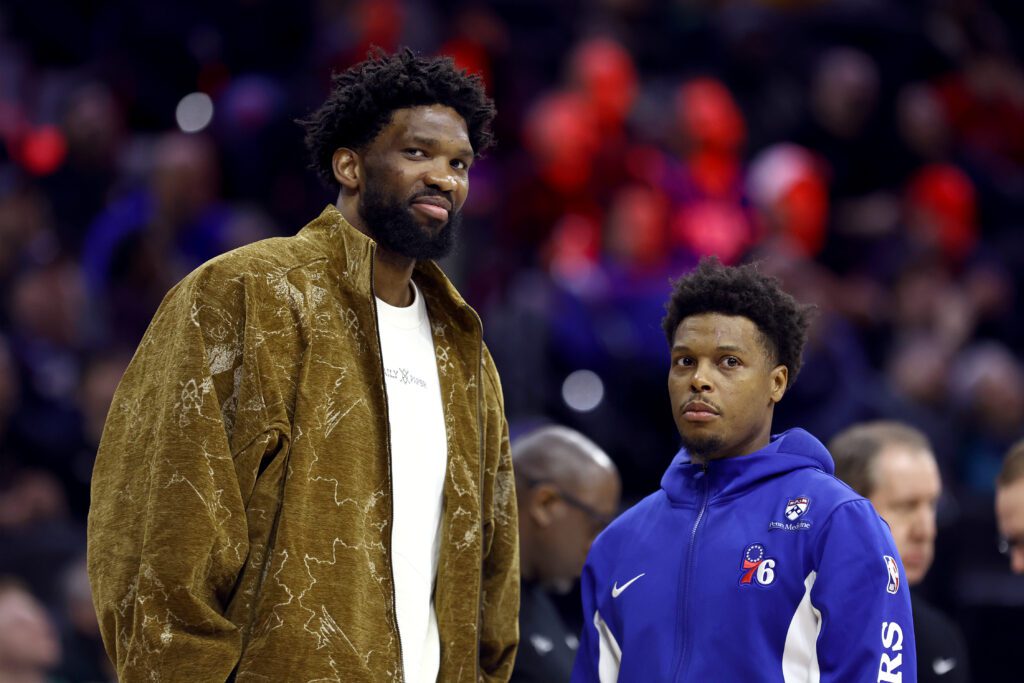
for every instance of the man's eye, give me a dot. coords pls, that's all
(685, 361)
(459, 164)
(415, 152)
(731, 361)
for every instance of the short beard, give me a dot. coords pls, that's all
(394, 228)
(703, 448)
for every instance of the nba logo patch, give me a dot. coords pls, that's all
(796, 508)
(894, 575)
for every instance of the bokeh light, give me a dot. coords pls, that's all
(194, 112)
(583, 390)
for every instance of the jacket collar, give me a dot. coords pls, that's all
(351, 252)
(795, 449)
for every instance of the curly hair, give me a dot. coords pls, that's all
(742, 291)
(364, 97)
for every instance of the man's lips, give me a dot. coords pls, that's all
(433, 206)
(698, 411)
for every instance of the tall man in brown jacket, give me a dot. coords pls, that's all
(305, 473)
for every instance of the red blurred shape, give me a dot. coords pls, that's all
(561, 134)
(43, 150)
(637, 227)
(572, 251)
(943, 209)
(709, 227)
(213, 78)
(470, 56)
(607, 77)
(787, 185)
(380, 24)
(708, 117)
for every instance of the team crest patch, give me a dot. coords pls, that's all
(757, 566)
(796, 508)
(794, 511)
(893, 586)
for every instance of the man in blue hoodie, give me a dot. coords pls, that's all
(753, 562)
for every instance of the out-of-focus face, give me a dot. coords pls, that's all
(28, 640)
(1010, 517)
(577, 515)
(723, 386)
(907, 488)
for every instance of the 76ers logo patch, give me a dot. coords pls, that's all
(757, 567)
(796, 508)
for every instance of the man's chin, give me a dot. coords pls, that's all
(701, 446)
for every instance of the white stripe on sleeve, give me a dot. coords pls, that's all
(610, 655)
(800, 656)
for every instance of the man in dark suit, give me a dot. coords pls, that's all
(892, 465)
(568, 491)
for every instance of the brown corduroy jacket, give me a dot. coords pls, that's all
(241, 498)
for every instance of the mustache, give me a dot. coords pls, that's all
(432, 192)
(700, 399)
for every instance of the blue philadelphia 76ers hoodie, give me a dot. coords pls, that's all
(759, 568)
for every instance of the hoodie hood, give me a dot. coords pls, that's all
(791, 450)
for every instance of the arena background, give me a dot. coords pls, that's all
(870, 153)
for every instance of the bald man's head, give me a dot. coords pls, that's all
(568, 490)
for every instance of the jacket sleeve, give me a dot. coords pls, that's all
(499, 621)
(866, 628)
(167, 533)
(599, 655)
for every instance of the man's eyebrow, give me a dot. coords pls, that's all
(720, 347)
(427, 141)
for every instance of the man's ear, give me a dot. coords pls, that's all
(541, 498)
(779, 378)
(347, 167)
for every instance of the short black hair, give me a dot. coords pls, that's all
(743, 291)
(364, 97)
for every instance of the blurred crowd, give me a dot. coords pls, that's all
(869, 153)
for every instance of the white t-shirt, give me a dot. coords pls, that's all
(419, 455)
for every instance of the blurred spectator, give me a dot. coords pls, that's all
(892, 465)
(988, 387)
(941, 211)
(29, 646)
(568, 491)
(148, 240)
(93, 127)
(1010, 507)
(26, 230)
(791, 193)
(710, 212)
(85, 660)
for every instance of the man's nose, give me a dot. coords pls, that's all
(924, 525)
(441, 178)
(699, 381)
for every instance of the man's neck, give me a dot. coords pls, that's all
(391, 272)
(391, 277)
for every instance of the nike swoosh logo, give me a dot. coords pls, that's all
(943, 666)
(617, 589)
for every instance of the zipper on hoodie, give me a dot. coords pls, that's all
(683, 663)
(391, 484)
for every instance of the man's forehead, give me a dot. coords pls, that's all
(430, 120)
(718, 328)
